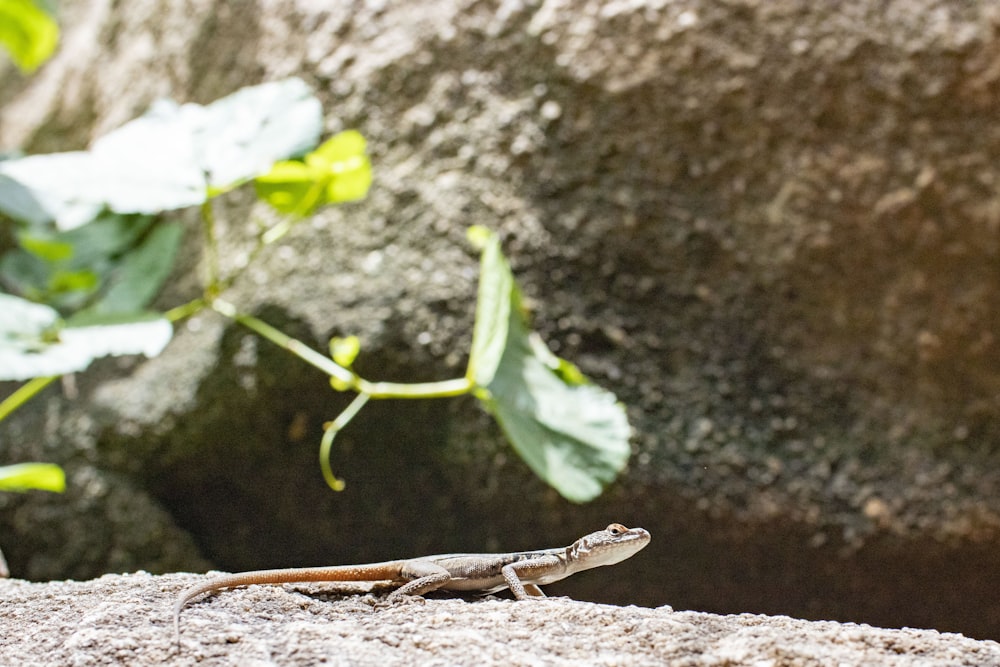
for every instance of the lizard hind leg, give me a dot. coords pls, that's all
(422, 577)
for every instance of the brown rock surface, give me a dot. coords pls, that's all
(126, 620)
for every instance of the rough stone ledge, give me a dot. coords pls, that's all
(125, 619)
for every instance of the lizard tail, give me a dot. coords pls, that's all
(377, 571)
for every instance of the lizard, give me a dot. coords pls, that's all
(520, 571)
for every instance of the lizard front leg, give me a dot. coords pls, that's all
(515, 574)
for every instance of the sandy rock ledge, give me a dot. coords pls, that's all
(125, 619)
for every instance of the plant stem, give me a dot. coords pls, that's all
(23, 394)
(352, 380)
(185, 310)
(211, 249)
(332, 429)
(299, 349)
(438, 389)
(274, 233)
(309, 202)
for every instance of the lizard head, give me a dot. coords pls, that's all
(607, 547)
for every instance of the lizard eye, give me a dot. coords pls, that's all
(616, 529)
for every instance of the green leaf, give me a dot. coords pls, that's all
(142, 271)
(28, 33)
(290, 187)
(338, 171)
(575, 437)
(567, 371)
(48, 249)
(25, 273)
(64, 187)
(240, 136)
(73, 281)
(345, 350)
(493, 305)
(350, 185)
(572, 434)
(24, 476)
(19, 203)
(341, 152)
(92, 319)
(23, 322)
(342, 161)
(109, 235)
(172, 157)
(66, 269)
(35, 343)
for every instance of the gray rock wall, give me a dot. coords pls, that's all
(770, 228)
